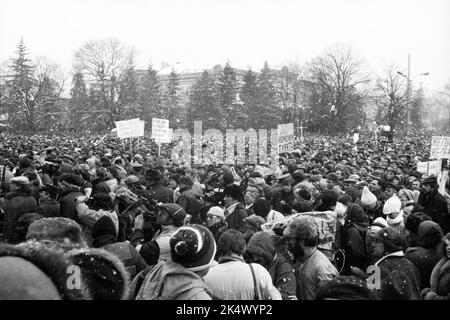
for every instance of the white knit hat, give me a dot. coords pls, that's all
(216, 211)
(393, 204)
(367, 197)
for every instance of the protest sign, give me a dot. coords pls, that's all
(130, 128)
(286, 137)
(161, 131)
(430, 167)
(440, 147)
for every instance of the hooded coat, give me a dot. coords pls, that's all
(171, 281)
(18, 203)
(435, 206)
(440, 278)
(104, 235)
(281, 271)
(424, 258)
(353, 237)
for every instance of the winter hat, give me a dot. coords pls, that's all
(380, 222)
(262, 243)
(21, 180)
(302, 228)
(175, 211)
(356, 214)
(216, 211)
(430, 234)
(391, 238)
(131, 179)
(393, 204)
(414, 220)
(103, 273)
(261, 207)
(255, 221)
(367, 197)
(193, 247)
(340, 209)
(345, 288)
(58, 229)
(233, 191)
(32, 271)
(104, 227)
(408, 193)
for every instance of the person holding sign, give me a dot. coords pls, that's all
(434, 204)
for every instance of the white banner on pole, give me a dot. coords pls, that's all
(130, 128)
(440, 147)
(430, 167)
(161, 131)
(286, 137)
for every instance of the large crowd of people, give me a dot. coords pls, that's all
(96, 218)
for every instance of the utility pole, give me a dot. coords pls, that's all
(408, 98)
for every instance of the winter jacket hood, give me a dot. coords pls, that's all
(169, 281)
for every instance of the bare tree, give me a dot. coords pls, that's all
(390, 96)
(106, 64)
(338, 77)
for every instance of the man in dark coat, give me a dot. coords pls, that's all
(399, 277)
(434, 204)
(189, 200)
(353, 237)
(427, 254)
(48, 206)
(262, 250)
(235, 212)
(155, 190)
(19, 201)
(99, 184)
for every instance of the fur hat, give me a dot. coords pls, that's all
(391, 238)
(345, 288)
(103, 273)
(175, 211)
(193, 247)
(32, 271)
(367, 197)
(302, 227)
(153, 175)
(393, 204)
(255, 221)
(58, 229)
(233, 191)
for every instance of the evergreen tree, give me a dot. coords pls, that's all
(78, 103)
(227, 90)
(128, 93)
(150, 96)
(249, 98)
(267, 99)
(171, 98)
(202, 104)
(22, 68)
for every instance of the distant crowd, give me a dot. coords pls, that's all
(96, 218)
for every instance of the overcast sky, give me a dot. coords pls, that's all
(244, 32)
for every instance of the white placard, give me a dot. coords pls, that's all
(161, 131)
(130, 128)
(286, 137)
(440, 147)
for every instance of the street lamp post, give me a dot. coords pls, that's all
(408, 93)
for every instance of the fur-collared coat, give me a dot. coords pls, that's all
(440, 281)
